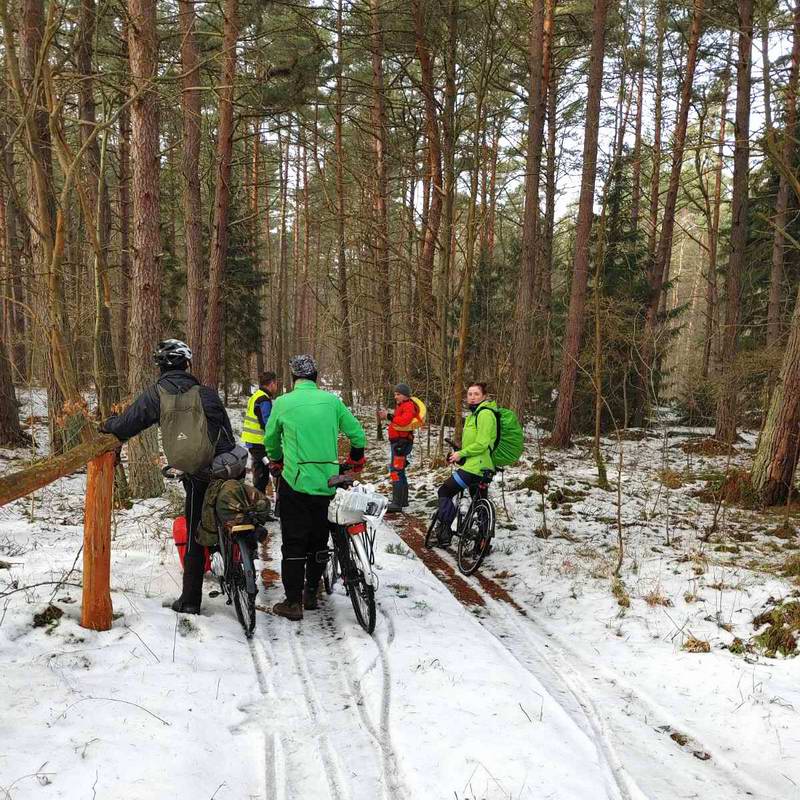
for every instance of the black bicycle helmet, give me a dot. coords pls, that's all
(172, 353)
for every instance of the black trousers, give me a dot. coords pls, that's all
(304, 535)
(194, 560)
(453, 486)
(260, 471)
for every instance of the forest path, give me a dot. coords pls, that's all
(649, 748)
(431, 705)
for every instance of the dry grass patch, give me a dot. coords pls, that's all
(695, 645)
(620, 593)
(670, 478)
(707, 447)
(655, 597)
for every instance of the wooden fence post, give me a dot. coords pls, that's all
(96, 606)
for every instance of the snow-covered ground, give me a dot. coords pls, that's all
(562, 693)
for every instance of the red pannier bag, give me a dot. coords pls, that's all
(180, 535)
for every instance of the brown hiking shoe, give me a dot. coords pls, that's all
(293, 611)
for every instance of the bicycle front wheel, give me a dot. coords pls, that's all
(243, 590)
(475, 536)
(362, 595)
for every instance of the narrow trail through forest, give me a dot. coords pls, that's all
(325, 741)
(575, 682)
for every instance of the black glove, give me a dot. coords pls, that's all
(275, 468)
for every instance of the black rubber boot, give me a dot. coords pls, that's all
(185, 608)
(396, 505)
(310, 599)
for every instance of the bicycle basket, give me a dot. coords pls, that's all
(351, 505)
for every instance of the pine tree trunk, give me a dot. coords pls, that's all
(784, 192)
(711, 338)
(562, 428)
(97, 216)
(727, 403)
(11, 434)
(191, 99)
(381, 226)
(636, 178)
(17, 324)
(212, 334)
(345, 336)
(522, 341)
(434, 178)
(145, 306)
(655, 167)
(472, 235)
(124, 282)
(659, 266)
(775, 461)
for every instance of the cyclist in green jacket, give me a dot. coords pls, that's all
(301, 440)
(474, 458)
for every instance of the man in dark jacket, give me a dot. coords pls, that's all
(173, 358)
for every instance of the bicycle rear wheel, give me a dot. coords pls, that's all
(241, 585)
(331, 574)
(475, 536)
(431, 537)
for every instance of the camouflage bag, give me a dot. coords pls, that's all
(230, 502)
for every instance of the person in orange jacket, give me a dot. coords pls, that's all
(401, 442)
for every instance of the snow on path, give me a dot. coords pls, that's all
(627, 723)
(430, 707)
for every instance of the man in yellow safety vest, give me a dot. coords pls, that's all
(259, 407)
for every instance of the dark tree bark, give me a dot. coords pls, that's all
(434, 177)
(775, 461)
(659, 265)
(345, 336)
(381, 225)
(562, 428)
(124, 281)
(784, 191)
(727, 403)
(522, 341)
(212, 337)
(97, 216)
(11, 434)
(191, 98)
(145, 307)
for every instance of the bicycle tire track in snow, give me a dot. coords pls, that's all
(551, 661)
(351, 752)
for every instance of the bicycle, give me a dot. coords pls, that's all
(354, 515)
(233, 565)
(474, 526)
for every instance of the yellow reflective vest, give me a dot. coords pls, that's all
(252, 432)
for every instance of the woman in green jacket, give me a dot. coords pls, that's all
(474, 458)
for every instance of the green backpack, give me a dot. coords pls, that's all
(184, 431)
(510, 439)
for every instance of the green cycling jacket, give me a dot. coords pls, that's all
(303, 432)
(477, 441)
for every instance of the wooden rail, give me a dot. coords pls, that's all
(96, 611)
